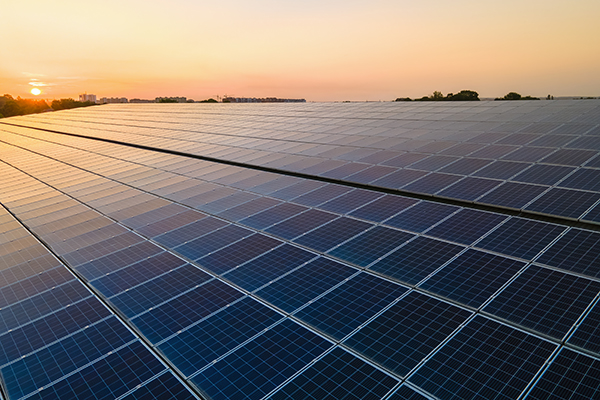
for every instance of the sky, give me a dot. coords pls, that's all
(320, 50)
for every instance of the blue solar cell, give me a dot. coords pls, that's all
(348, 306)
(577, 251)
(166, 386)
(404, 334)
(338, 375)
(260, 366)
(298, 189)
(406, 393)
(149, 294)
(273, 215)
(196, 347)
(513, 195)
(371, 174)
(485, 360)
(543, 174)
(433, 163)
(48, 364)
(170, 223)
(399, 179)
(108, 378)
(176, 314)
(137, 273)
(34, 285)
(153, 215)
(593, 215)
(269, 266)
(432, 183)
(417, 259)
(587, 332)
(117, 260)
(422, 216)
(472, 277)
(321, 195)
(569, 157)
(102, 248)
(345, 170)
(370, 245)
(350, 201)
(304, 284)
(405, 159)
(465, 166)
(469, 188)
(564, 202)
(332, 234)
(501, 169)
(383, 208)
(247, 209)
(569, 376)
(213, 241)
(18, 272)
(521, 238)
(45, 303)
(547, 301)
(189, 232)
(466, 226)
(530, 154)
(50, 328)
(228, 202)
(238, 253)
(301, 223)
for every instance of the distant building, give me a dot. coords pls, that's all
(170, 100)
(260, 100)
(87, 97)
(112, 100)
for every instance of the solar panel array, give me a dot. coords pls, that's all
(302, 251)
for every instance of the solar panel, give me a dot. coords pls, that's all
(369, 255)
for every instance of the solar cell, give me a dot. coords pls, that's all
(338, 375)
(521, 238)
(269, 266)
(472, 277)
(545, 300)
(301, 223)
(109, 377)
(332, 233)
(466, 226)
(417, 259)
(258, 367)
(405, 333)
(469, 188)
(586, 334)
(348, 306)
(564, 202)
(568, 376)
(197, 346)
(512, 195)
(484, 360)
(422, 216)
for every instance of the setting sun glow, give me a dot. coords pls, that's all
(36, 91)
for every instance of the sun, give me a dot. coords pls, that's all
(35, 91)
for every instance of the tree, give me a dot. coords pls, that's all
(403, 99)
(463, 95)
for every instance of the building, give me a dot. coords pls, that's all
(87, 97)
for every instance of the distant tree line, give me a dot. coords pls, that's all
(65, 104)
(10, 107)
(517, 96)
(463, 95)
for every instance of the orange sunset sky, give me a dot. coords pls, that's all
(321, 50)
